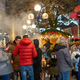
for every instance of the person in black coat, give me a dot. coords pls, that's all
(37, 60)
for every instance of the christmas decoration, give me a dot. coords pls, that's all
(52, 30)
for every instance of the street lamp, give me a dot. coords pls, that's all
(24, 26)
(37, 8)
(31, 16)
(44, 15)
(29, 29)
(28, 22)
(33, 26)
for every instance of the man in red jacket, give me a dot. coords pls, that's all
(27, 52)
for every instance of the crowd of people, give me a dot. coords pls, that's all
(24, 56)
(25, 59)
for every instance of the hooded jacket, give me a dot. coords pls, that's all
(37, 60)
(63, 58)
(5, 63)
(26, 51)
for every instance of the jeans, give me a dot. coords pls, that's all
(64, 75)
(5, 77)
(27, 69)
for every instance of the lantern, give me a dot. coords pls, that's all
(45, 16)
(28, 22)
(31, 16)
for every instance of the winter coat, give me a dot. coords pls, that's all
(16, 66)
(53, 70)
(63, 58)
(5, 63)
(74, 60)
(26, 51)
(37, 60)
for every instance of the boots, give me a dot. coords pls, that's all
(56, 76)
(50, 77)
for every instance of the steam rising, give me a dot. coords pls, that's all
(13, 25)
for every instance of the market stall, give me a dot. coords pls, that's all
(53, 35)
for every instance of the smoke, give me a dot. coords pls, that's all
(35, 36)
(13, 25)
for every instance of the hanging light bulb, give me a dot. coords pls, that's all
(24, 26)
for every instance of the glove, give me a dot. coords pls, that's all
(77, 55)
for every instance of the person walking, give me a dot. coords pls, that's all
(63, 59)
(27, 52)
(37, 60)
(15, 59)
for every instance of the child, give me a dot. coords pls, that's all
(53, 66)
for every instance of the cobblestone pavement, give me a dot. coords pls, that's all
(47, 78)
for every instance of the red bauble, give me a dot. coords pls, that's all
(52, 32)
(63, 34)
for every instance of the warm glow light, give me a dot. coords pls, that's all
(72, 36)
(24, 26)
(41, 36)
(57, 36)
(13, 32)
(60, 35)
(45, 16)
(4, 42)
(0, 33)
(31, 16)
(5, 33)
(28, 22)
(37, 8)
(33, 26)
(46, 36)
